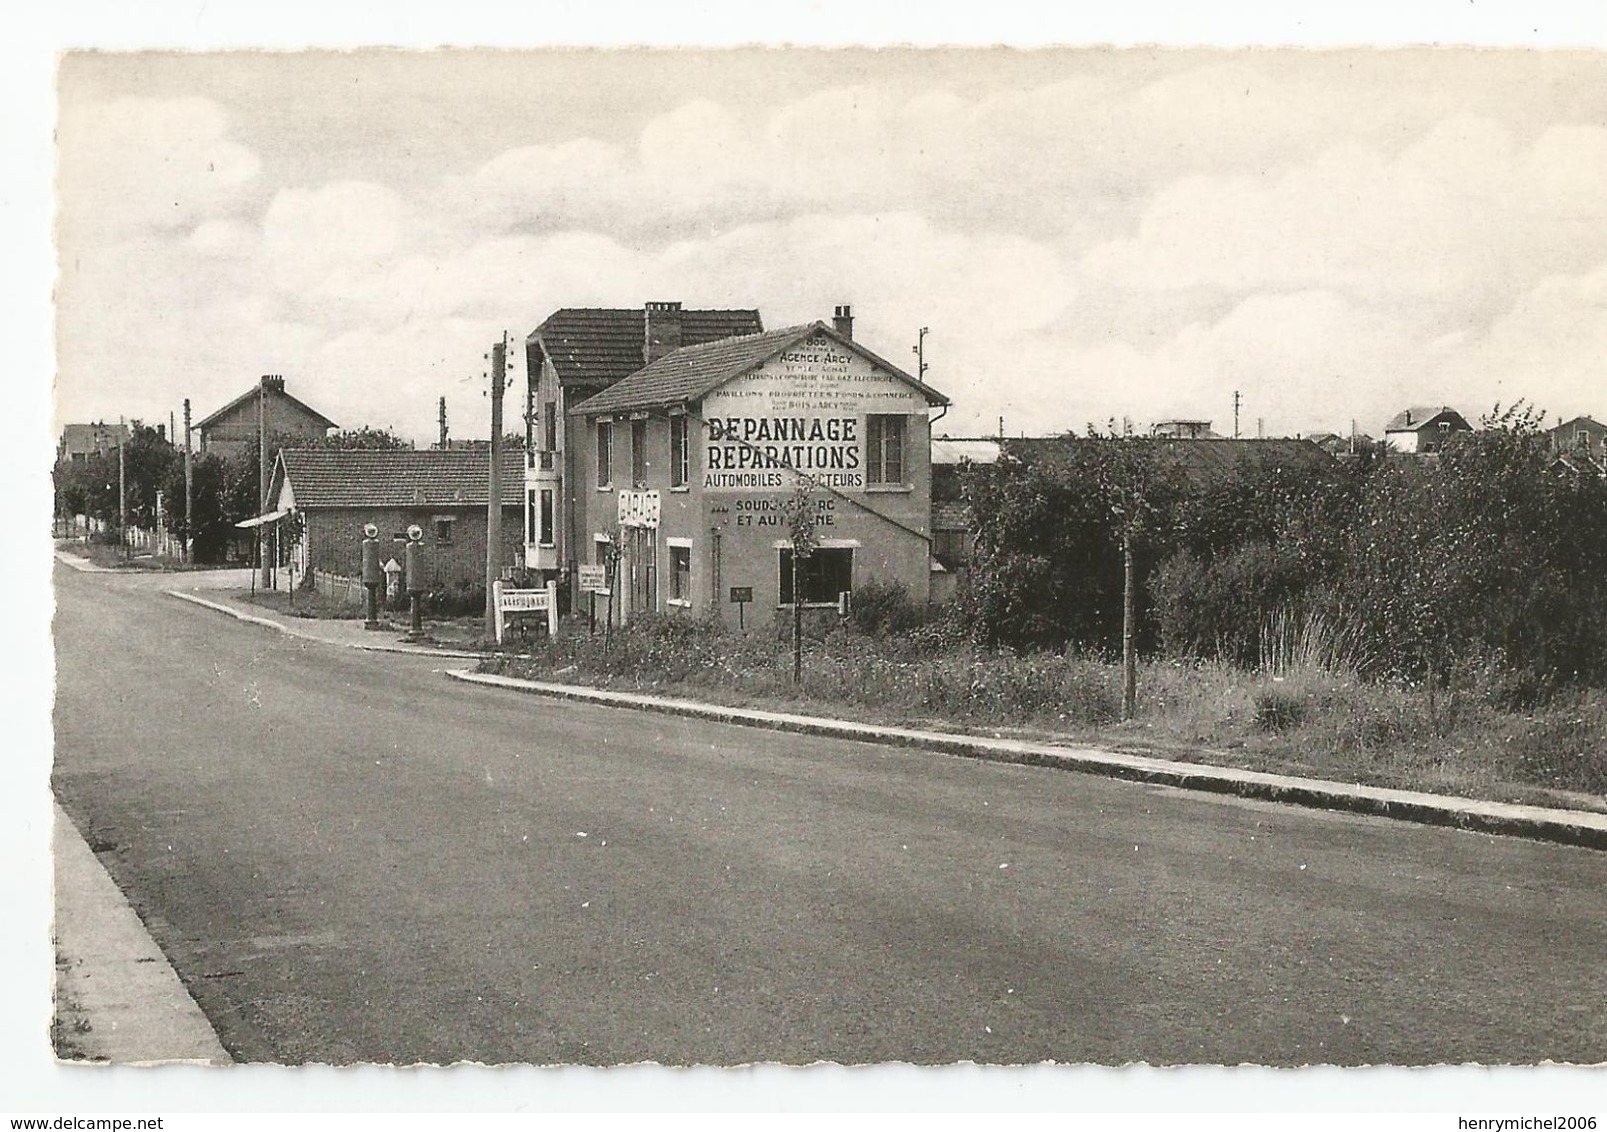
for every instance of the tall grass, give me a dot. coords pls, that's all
(1305, 711)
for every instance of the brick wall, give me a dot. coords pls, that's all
(237, 431)
(334, 540)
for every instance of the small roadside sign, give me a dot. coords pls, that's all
(740, 596)
(590, 579)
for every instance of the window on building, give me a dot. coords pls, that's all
(531, 509)
(600, 546)
(1582, 439)
(605, 453)
(549, 425)
(884, 449)
(822, 575)
(680, 451)
(639, 453)
(443, 529)
(681, 572)
(544, 527)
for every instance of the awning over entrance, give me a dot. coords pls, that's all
(261, 520)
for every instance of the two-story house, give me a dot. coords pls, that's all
(233, 429)
(726, 434)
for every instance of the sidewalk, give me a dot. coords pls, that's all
(117, 998)
(349, 633)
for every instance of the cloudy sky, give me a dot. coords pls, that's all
(1087, 234)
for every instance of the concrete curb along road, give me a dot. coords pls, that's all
(1567, 827)
(290, 630)
(118, 998)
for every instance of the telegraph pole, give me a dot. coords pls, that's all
(920, 353)
(1237, 400)
(189, 490)
(122, 514)
(493, 516)
(443, 422)
(262, 480)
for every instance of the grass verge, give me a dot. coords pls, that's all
(1305, 722)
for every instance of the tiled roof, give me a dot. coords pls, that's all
(1414, 418)
(251, 395)
(595, 347)
(691, 372)
(384, 478)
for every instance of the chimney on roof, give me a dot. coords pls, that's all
(842, 321)
(663, 331)
(273, 381)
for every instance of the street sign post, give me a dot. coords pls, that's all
(740, 596)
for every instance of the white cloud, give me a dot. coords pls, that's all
(1133, 239)
(137, 164)
(318, 241)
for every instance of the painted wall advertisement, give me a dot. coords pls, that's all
(805, 411)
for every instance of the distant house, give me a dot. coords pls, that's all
(1183, 430)
(1580, 439)
(953, 531)
(81, 441)
(233, 429)
(444, 491)
(1422, 429)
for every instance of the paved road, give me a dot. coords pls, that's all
(348, 857)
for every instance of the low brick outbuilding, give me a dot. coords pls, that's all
(445, 491)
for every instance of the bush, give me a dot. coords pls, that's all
(1279, 709)
(879, 608)
(461, 600)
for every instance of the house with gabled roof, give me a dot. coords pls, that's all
(576, 353)
(1422, 429)
(444, 491)
(1581, 441)
(723, 436)
(265, 407)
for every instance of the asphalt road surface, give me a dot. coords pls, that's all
(348, 857)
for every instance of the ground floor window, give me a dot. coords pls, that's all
(681, 570)
(822, 575)
(443, 529)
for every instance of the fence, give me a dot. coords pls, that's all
(349, 590)
(162, 545)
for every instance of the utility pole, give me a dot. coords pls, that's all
(920, 354)
(1237, 400)
(189, 490)
(443, 423)
(262, 479)
(493, 517)
(122, 514)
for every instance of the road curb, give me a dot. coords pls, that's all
(291, 631)
(118, 997)
(1578, 828)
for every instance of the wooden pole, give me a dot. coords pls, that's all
(262, 479)
(493, 517)
(1129, 655)
(189, 490)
